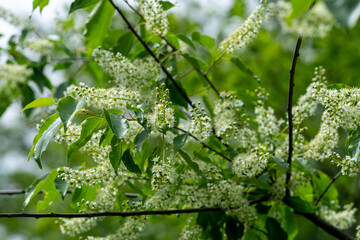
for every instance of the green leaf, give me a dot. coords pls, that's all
(46, 132)
(98, 24)
(129, 162)
(179, 141)
(179, 113)
(67, 108)
(175, 96)
(281, 162)
(201, 157)
(291, 227)
(40, 102)
(124, 44)
(105, 139)
(353, 144)
(118, 123)
(88, 127)
(87, 193)
(115, 153)
(61, 186)
(298, 7)
(275, 232)
(166, 5)
(40, 3)
(186, 40)
(191, 163)
(203, 40)
(300, 205)
(337, 86)
(234, 229)
(320, 184)
(139, 139)
(44, 183)
(78, 4)
(208, 105)
(240, 65)
(173, 39)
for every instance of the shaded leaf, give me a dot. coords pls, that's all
(61, 186)
(118, 123)
(191, 163)
(129, 162)
(88, 127)
(300, 205)
(234, 229)
(115, 153)
(87, 193)
(240, 65)
(179, 141)
(139, 139)
(67, 108)
(275, 232)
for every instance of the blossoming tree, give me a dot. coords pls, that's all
(223, 159)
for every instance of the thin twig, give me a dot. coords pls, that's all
(177, 50)
(131, 28)
(204, 144)
(289, 110)
(327, 188)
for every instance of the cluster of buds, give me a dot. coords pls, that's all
(200, 125)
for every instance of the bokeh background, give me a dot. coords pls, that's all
(269, 57)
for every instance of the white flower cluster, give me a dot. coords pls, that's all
(155, 17)
(250, 164)
(246, 32)
(342, 219)
(11, 18)
(163, 174)
(317, 22)
(228, 195)
(104, 201)
(358, 232)
(43, 46)
(200, 125)
(191, 231)
(349, 166)
(341, 110)
(269, 126)
(125, 73)
(162, 117)
(14, 74)
(104, 98)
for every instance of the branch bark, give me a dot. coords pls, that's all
(132, 29)
(289, 110)
(119, 214)
(327, 227)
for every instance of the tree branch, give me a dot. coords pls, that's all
(327, 227)
(289, 110)
(132, 29)
(23, 191)
(179, 51)
(204, 144)
(327, 188)
(119, 214)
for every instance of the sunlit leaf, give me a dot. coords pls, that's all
(40, 102)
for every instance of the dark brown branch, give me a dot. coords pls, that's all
(289, 110)
(327, 227)
(23, 191)
(327, 188)
(204, 144)
(132, 29)
(120, 214)
(177, 50)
